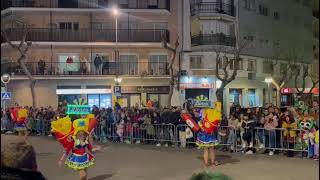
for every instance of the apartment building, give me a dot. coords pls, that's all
(269, 26)
(69, 38)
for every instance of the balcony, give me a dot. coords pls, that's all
(88, 69)
(213, 39)
(89, 4)
(88, 35)
(208, 9)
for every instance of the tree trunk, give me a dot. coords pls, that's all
(172, 85)
(219, 94)
(32, 80)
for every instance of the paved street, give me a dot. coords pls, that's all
(141, 162)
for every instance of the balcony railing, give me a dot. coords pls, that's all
(88, 35)
(202, 8)
(88, 68)
(213, 39)
(132, 4)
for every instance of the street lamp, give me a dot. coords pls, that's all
(218, 84)
(268, 80)
(117, 80)
(115, 12)
(5, 79)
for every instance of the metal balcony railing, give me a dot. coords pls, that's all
(88, 35)
(207, 8)
(88, 68)
(130, 4)
(213, 39)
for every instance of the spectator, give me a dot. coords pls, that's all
(289, 134)
(97, 64)
(18, 160)
(41, 66)
(270, 134)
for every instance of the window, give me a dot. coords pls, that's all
(196, 62)
(102, 3)
(236, 64)
(123, 3)
(267, 67)
(263, 10)
(249, 4)
(252, 65)
(69, 25)
(306, 3)
(157, 64)
(276, 16)
(129, 64)
(152, 4)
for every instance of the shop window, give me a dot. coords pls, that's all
(100, 100)
(68, 98)
(69, 25)
(252, 97)
(157, 65)
(235, 96)
(196, 62)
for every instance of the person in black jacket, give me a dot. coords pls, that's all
(18, 161)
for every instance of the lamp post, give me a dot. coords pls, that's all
(5, 79)
(115, 12)
(268, 81)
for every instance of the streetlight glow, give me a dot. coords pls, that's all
(218, 84)
(268, 80)
(118, 79)
(115, 11)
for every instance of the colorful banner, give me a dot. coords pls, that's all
(78, 109)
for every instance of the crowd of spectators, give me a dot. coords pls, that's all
(250, 129)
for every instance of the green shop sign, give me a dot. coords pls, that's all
(199, 103)
(78, 109)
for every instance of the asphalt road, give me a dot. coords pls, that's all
(146, 162)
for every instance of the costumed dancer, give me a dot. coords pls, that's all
(206, 129)
(19, 117)
(207, 137)
(76, 139)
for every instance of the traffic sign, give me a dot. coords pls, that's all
(6, 95)
(117, 91)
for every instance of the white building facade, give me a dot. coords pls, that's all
(271, 30)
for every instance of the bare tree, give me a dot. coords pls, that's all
(303, 76)
(23, 48)
(170, 67)
(224, 63)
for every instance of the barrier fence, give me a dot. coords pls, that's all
(238, 140)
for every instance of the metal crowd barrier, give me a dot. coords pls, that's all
(238, 140)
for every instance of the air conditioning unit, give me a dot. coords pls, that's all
(251, 76)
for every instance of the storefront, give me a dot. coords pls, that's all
(288, 95)
(100, 97)
(198, 88)
(139, 95)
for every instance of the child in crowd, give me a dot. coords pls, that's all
(289, 133)
(316, 146)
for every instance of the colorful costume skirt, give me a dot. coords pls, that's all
(206, 140)
(20, 127)
(79, 162)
